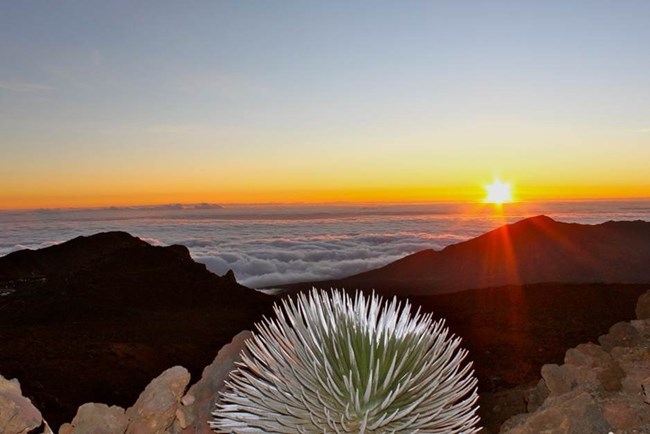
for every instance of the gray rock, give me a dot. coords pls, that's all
(94, 418)
(198, 403)
(155, 410)
(17, 413)
(643, 306)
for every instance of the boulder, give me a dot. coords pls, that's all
(643, 306)
(94, 418)
(621, 334)
(572, 413)
(155, 410)
(589, 355)
(17, 413)
(559, 379)
(623, 415)
(599, 389)
(198, 403)
(535, 397)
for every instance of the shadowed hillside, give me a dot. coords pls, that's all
(96, 318)
(534, 250)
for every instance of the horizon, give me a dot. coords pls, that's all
(269, 244)
(107, 104)
(189, 206)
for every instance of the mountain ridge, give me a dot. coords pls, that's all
(111, 312)
(531, 251)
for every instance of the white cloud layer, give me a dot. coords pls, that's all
(270, 245)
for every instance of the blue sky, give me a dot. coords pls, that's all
(118, 88)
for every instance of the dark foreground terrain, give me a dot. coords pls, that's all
(96, 318)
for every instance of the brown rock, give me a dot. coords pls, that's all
(17, 413)
(643, 327)
(535, 397)
(198, 403)
(621, 334)
(610, 376)
(559, 379)
(646, 390)
(622, 415)
(572, 413)
(635, 362)
(94, 418)
(589, 355)
(643, 306)
(155, 410)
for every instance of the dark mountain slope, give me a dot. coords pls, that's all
(534, 250)
(96, 318)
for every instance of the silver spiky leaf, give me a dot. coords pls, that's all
(329, 363)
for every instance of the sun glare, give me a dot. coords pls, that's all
(498, 192)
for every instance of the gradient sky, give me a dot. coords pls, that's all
(116, 103)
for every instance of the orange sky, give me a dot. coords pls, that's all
(425, 103)
(471, 194)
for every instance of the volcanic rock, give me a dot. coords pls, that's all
(155, 410)
(598, 389)
(198, 403)
(643, 307)
(97, 419)
(17, 413)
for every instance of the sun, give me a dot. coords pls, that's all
(498, 192)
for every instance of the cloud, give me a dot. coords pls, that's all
(263, 245)
(24, 87)
(262, 262)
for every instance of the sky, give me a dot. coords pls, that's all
(125, 103)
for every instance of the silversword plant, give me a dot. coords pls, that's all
(331, 363)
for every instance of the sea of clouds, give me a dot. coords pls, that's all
(274, 244)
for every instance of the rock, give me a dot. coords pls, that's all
(198, 403)
(643, 306)
(589, 355)
(94, 418)
(558, 379)
(642, 326)
(635, 363)
(622, 415)
(599, 389)
(535, 397)
(230, 277)
(621, 334)
(610, 377)
(155, 410)
(17, 413)
(572, 413)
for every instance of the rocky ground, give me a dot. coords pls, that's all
(600, 388)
